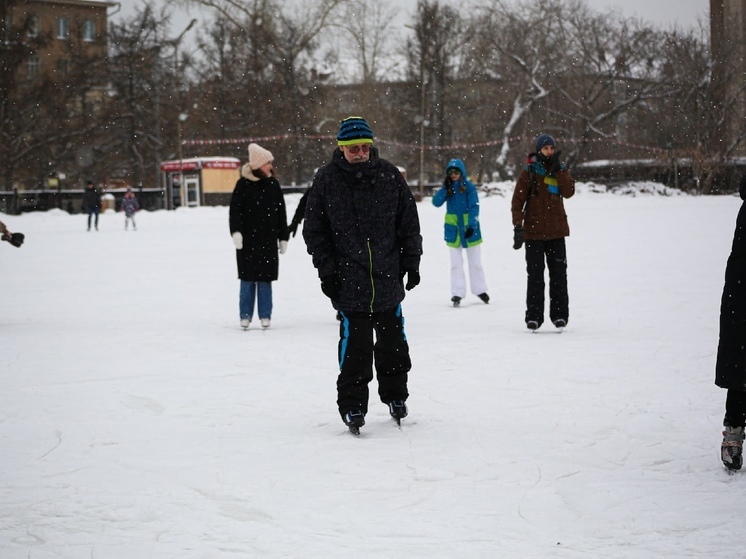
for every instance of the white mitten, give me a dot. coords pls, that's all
(283, 246)
(238, 240)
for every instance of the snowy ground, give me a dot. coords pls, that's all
(138, 421)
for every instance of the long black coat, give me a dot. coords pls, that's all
(361, 224)
(730, 369)
(257, 211)
(91, 198)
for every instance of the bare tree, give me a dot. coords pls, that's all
(371, 38)
(146, 75)
(432, 53)
(616, 69)
(567, 70)
(527, 43)
(285, 39)
(703, 125)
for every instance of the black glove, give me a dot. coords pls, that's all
(293, 228)
(15, 239)
(469, 232)
(331, 286)
(554, 163)
(449, 186)
(518, 237)
(413, 280)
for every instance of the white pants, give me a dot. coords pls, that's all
(476, 273)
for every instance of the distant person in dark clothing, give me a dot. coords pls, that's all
(92, 203)
(363, 232)
(730, 368)
(300, 211)
(539, 220)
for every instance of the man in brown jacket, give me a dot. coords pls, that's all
(540, 220)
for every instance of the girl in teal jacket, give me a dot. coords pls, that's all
(462, 231)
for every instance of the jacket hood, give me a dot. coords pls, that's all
(458, 164)
(247, 173)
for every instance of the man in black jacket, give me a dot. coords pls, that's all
(92, 203)
(363, 232)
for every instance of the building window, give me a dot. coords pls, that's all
(7, 25)
(62, 28)
(34, 26)
(63, 66)
(32, 66)
(89, 30)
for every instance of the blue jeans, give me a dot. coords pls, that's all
(262, 291)
(92, 210)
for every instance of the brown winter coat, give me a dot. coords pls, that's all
(544, 218)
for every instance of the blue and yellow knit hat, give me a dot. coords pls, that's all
(544, 140)
(354, 130)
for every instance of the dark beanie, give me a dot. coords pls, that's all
(544, 140)
(354, 130)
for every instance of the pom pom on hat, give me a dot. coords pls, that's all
(259, 156)
(354, 130)
(544, 140)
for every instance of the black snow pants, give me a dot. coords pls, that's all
(357, 353)
(556, 259)
(735, 408)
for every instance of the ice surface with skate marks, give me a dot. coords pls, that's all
(138, 420)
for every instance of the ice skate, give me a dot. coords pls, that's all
(731, 451)
(398, 410)
(354, 419)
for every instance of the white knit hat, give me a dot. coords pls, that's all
(259, 156)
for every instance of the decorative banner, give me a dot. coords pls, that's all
(452, 147)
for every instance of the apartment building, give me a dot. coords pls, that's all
(64, 28)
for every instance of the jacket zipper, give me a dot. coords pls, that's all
(370, 273)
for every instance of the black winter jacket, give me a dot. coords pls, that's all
(730, 369)
(361, 224)
(257, 211)
(91, 198)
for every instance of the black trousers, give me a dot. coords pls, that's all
(357, 353)
(556, 260)
(735, 408)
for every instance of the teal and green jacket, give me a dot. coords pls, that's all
(462, 209)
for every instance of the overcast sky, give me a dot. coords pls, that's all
(683, 13)
(663, 12)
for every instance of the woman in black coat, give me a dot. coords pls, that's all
(258, 225)
(730, 370)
